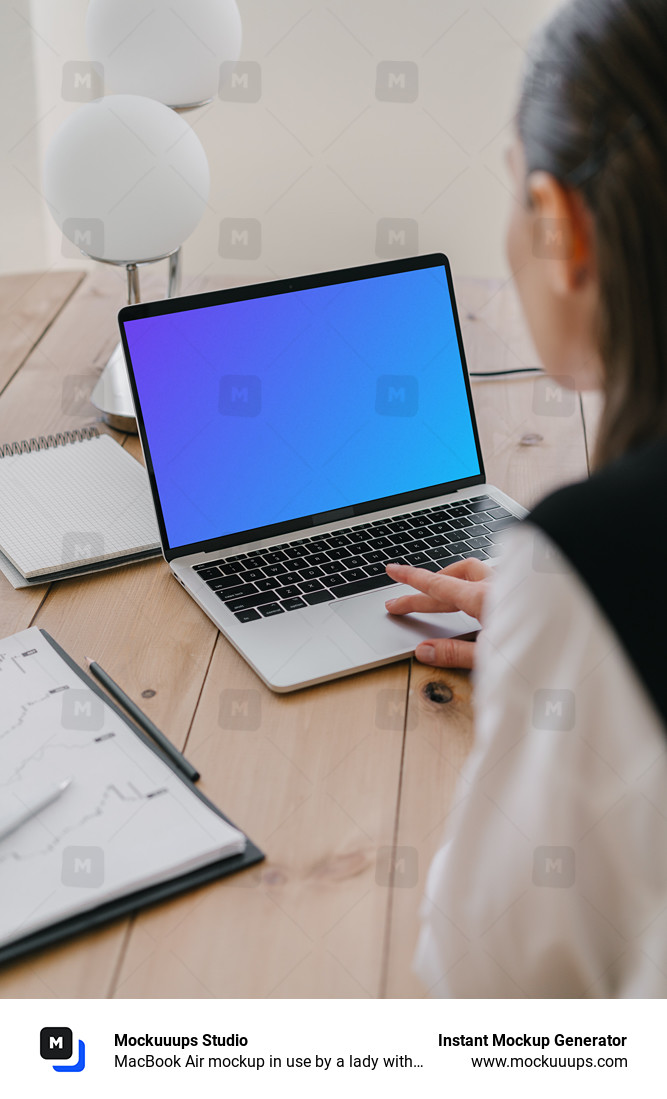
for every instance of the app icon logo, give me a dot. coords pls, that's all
(56, 1044)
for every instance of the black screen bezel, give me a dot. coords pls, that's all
(285, 286)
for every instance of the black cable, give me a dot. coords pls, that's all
(504, 373)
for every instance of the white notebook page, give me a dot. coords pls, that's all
(126, 821)
(69, 505)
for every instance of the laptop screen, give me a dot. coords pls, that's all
(300, 403)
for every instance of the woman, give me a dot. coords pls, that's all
(554, 878)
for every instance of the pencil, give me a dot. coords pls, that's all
(142, 721)
(11, 822)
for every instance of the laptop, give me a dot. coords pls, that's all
(298, 435)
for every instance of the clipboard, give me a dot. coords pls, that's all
(133, 902)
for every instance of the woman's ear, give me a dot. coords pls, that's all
(562, 232)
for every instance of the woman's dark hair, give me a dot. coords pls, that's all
(593, 113)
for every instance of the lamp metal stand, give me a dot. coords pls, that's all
(112, 395)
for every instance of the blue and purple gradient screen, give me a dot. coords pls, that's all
(263, 411)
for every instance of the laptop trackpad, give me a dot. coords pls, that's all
(387, 633)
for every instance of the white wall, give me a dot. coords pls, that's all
(319, 159)
(23, 244)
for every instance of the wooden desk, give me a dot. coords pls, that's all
(325, 780)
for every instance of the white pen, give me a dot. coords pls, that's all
(11, 821)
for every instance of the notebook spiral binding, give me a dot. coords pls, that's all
(45, 442)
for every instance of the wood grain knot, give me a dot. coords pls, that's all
(438, 692)
(148, 693)
(341, 867)
(531, 438)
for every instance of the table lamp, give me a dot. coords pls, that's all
(172, 50)
(127, 180)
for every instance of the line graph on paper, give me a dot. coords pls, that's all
(125, 820)
(48, 729)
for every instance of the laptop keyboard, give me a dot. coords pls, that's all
(325, 567)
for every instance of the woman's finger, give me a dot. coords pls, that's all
(471, 568)
(446, 652)
(450, 592)
(415, 577)
(407, 603)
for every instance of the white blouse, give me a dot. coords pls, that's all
(553, 879)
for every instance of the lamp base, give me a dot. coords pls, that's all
(112, 395)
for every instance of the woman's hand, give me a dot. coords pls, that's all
(460, 587)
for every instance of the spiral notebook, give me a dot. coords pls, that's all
(72, 503)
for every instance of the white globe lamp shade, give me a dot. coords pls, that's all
(126, 179)
(171, 50)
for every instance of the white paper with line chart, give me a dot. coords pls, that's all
(126, 821)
